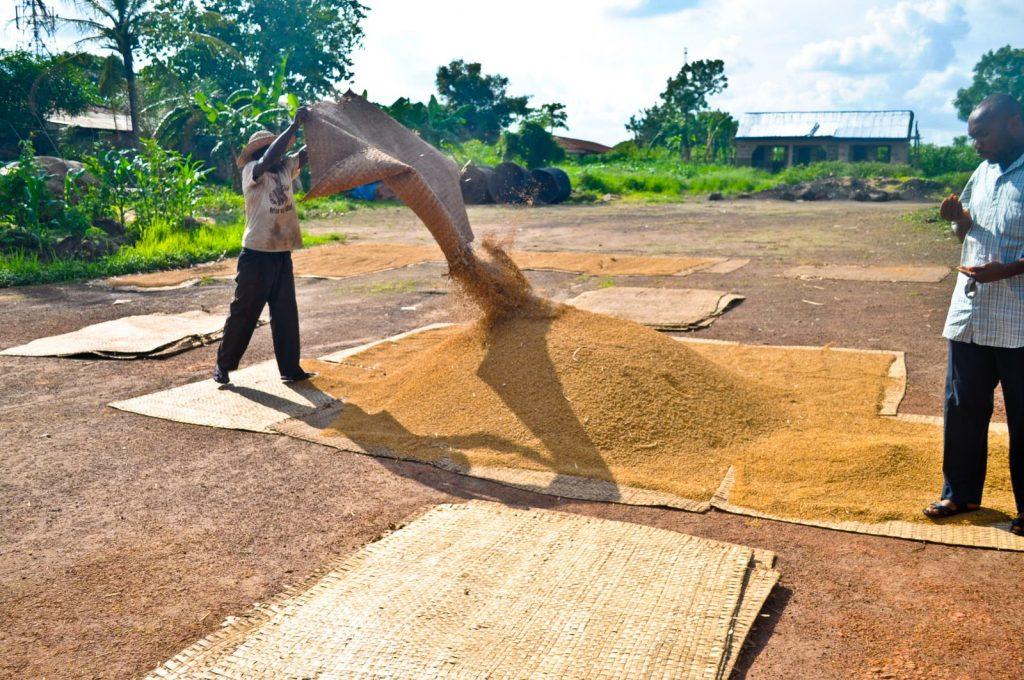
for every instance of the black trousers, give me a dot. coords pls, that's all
(263, 278)
(971, 378)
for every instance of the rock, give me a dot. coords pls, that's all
(715, 196)
(109, 226)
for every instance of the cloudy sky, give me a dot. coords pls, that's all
(606, 59)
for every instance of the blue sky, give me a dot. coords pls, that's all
(606, 59)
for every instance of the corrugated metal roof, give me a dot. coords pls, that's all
(95, 118)
(842, 124)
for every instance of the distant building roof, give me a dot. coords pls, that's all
(95, 118)
(840, 124)
(581, 146)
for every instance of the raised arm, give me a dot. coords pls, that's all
(277, 148)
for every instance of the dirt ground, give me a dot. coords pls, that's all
(125, 538)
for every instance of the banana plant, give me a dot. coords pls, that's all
(433, 121)
(229, 118)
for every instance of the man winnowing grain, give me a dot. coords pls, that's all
(985, 324)
(265, 264)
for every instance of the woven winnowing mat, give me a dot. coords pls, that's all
(255, 400)
(172, 279)
(481, 590)
(669, 309)
(915, 274)
(312, 428)
(996, 536)
(611, 264)
(131, 337)
(351, 142)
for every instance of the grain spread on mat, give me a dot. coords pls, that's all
(586, 395)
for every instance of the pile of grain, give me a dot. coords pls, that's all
(555, 388)
(581, 394)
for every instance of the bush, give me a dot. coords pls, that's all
(31, 217)
(935, 161)
(156, 186)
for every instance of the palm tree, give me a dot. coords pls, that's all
(121, 25)
(117, 25)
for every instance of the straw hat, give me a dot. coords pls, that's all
(258, 140)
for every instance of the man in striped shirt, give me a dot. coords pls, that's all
(985, 325)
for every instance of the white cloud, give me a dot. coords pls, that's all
(908, 35)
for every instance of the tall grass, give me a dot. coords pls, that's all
(160, 247)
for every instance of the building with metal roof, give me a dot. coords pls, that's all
(780, 139)
(580, 147)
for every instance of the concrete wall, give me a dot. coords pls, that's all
(835, 149)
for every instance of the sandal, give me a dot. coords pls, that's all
(939, 510)
(1017, 526)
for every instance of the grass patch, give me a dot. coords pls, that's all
(606, 282)
(393, 287)
(159, 248)
(928, 220)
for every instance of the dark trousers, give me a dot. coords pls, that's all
(971, 378)
(263, 278)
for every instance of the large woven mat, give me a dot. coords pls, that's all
(481, 590)
(915, 274)
(255, 400)
(341, 261)
(996, 536)
(351, 142)
(613, 264)
(669, 309)
(131, 337)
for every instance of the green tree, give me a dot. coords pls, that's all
(673, 121)
(533, 145)
(490, 108)
(998, 71)
(33, 88)
(551, 116)
(317, 36)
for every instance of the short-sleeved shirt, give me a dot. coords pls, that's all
(994, 316)
(271, 223)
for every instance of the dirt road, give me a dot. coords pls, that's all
(125, 538)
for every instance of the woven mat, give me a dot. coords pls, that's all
(342, 261)
(840, 272)
(668, 309)
(351, 142)
(131, 337)
(612, 264)
(255, 400)
(482, 590)
(996, 536)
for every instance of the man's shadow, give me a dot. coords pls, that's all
(536, 397)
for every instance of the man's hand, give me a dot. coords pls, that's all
(952, 210)
(993, 271)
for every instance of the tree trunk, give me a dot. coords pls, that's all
(133, 91)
